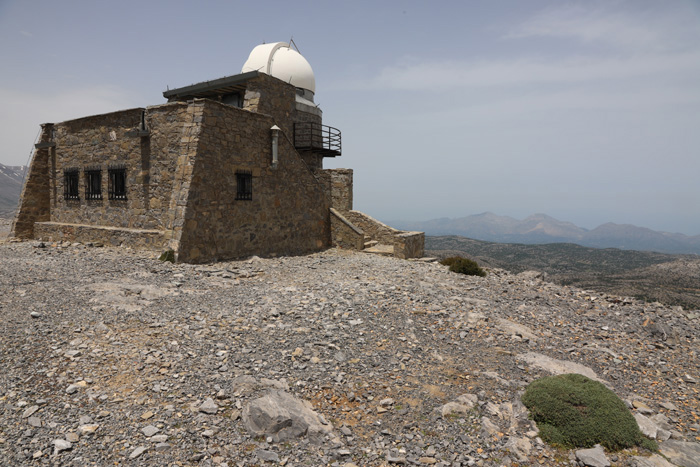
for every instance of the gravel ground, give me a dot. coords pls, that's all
(109, 357)
(5, 225)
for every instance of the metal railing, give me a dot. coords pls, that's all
(312, 136)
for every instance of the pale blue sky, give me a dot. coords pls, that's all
(588, 110)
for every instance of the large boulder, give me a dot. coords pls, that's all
(681, 452)
(282, 417)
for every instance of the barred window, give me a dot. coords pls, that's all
(93, 183)
(70, 184)
(117, 182)
(244, 185)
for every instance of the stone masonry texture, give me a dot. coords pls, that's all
(289, 209)
(182, 163)
(35, 200)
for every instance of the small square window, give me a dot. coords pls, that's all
(244, 185)
(117, 183)
(93, 184)
(70, 184)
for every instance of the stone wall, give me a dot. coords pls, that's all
(341, 188)
(103, 141)
(35, 200)
(344, 233)
(410, 245)
(406, 244)
(346, 223)
(289, 210)
(113, 236)
(113, 140)
(338, 185)
(304, 113)
(186, 142)
(271, 96)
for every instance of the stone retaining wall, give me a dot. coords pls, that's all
(406, 244)
(344, 233)
(410, 245)
(114, 236)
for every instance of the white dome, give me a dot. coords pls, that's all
(282, 62)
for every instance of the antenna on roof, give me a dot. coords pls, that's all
(291, 41)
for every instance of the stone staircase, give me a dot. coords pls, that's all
(358, 231)
(374, 247)
(369, 243)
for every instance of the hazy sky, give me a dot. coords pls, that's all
(587, 110)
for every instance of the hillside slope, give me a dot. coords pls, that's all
(670, 279)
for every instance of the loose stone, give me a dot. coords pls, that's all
(60, 445)
(137, 452)
(209, 406)
(593, 457)
(149, 431)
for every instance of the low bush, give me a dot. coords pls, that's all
(463, 266)
(167, 255)
(575, 411)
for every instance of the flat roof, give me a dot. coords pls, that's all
(226, 85)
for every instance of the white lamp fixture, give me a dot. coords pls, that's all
(275, 130)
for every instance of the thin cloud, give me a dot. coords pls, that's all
(638, 42)
(525, 71)
(501, 109)
(26, 34)
(661, 27)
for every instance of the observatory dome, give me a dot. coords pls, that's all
(282, 62)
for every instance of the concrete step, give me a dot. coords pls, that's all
(384, 250)
(371, 243)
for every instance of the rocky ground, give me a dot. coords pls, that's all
(4, 228)
(111, 357)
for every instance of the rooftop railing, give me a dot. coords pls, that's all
(315, 137)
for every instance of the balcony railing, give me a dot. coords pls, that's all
(317, 138)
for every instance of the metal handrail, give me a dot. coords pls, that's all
(315, 136)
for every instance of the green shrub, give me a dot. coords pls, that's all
(574, 411)
(463, 266)
(450, 261)
(167, 255)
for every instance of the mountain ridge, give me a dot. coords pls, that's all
(11, 179)
(541, 229)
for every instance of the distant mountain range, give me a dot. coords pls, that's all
(11, 178)
(540, 229)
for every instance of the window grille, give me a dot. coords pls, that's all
(244, 185)
(93, 183)
(70, 183)
(117, 183)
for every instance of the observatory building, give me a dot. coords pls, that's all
(225, 169)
